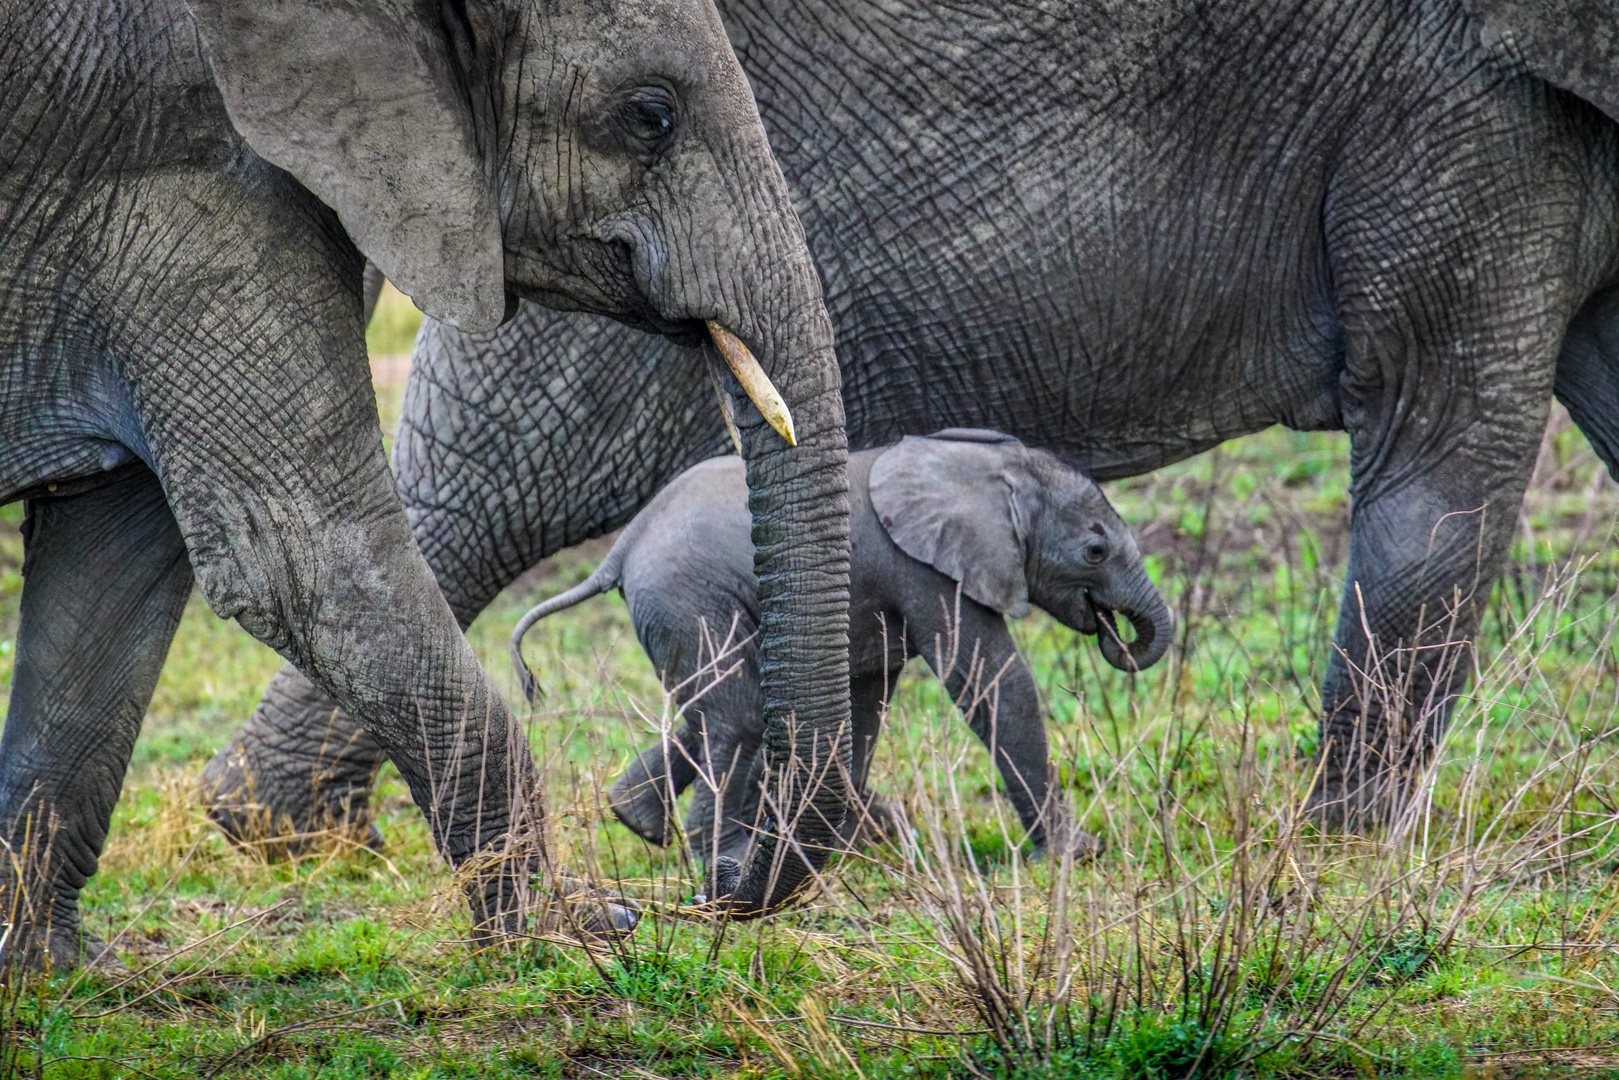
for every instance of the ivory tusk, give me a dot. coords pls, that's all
(755, 383)
(725, 407)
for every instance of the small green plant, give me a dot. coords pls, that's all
(1408, 952)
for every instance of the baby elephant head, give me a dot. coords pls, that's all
(1014, 525)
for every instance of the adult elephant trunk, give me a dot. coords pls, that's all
(752, 288)
(798, 496)
(1139, 601)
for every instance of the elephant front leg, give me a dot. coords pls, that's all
(975, 657)
(106, 579)
(298, 770)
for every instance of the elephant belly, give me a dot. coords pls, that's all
(65, 417)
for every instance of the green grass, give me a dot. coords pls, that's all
(1217, 936)
(393, 325)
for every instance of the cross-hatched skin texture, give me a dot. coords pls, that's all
(1124, 232)
(184, 189)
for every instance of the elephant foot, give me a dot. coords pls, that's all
(640, 801)
(1352, 800)
(251, 817)
(1067, 839)
(1340, 809)
(582, 910)
(55, 950)
(571, 907)
(724, 878)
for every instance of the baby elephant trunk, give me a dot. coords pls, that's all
(1139, 602)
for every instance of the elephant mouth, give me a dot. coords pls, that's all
(687, 333)
(1095, 614)
(639, 310)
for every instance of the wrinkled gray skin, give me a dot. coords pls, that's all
(183, 379)
(961, 513)
(1122, 231)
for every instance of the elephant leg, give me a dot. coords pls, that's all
(725, 810)
(1588, 375)
(971, 651)
(871, 819)
(1444, 423)
(644, 797)
(559, 476)
(1422, 556)
(371, 289)
(298, 769)
(106, 580)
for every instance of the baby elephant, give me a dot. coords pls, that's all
(962, 508)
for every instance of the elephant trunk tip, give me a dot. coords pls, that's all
(1152, 635)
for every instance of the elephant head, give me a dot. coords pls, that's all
(602, 156)
(1015, 525)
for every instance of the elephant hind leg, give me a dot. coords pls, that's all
(106, 580)
(871, 818)
(298, 772)
(644, 797)
(1588, 374)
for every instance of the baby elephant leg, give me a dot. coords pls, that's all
(724, 809)
(871, 818)
(712, 749)
(992, 684)
(644, 797)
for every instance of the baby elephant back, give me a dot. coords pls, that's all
(693, 558)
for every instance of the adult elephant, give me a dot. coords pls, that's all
(184, 388)
(1123, 231)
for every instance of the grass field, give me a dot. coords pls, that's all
(1218, 935)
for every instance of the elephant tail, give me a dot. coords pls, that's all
(603, 579)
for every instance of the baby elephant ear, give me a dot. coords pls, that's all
(960, 505)
(367, 104)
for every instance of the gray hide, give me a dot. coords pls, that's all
(1124, 231)
(184, 387)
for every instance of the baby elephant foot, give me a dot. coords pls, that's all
(1068, 838)
(640, 800)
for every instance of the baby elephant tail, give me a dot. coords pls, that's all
(603, 579)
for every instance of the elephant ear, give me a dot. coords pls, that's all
(364, 101)
(1573, 44)
(957, 500)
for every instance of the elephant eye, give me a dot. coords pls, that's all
(649, 115)
(1094, 552)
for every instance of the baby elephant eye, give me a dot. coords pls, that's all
(1095, 552)
(649, 115)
